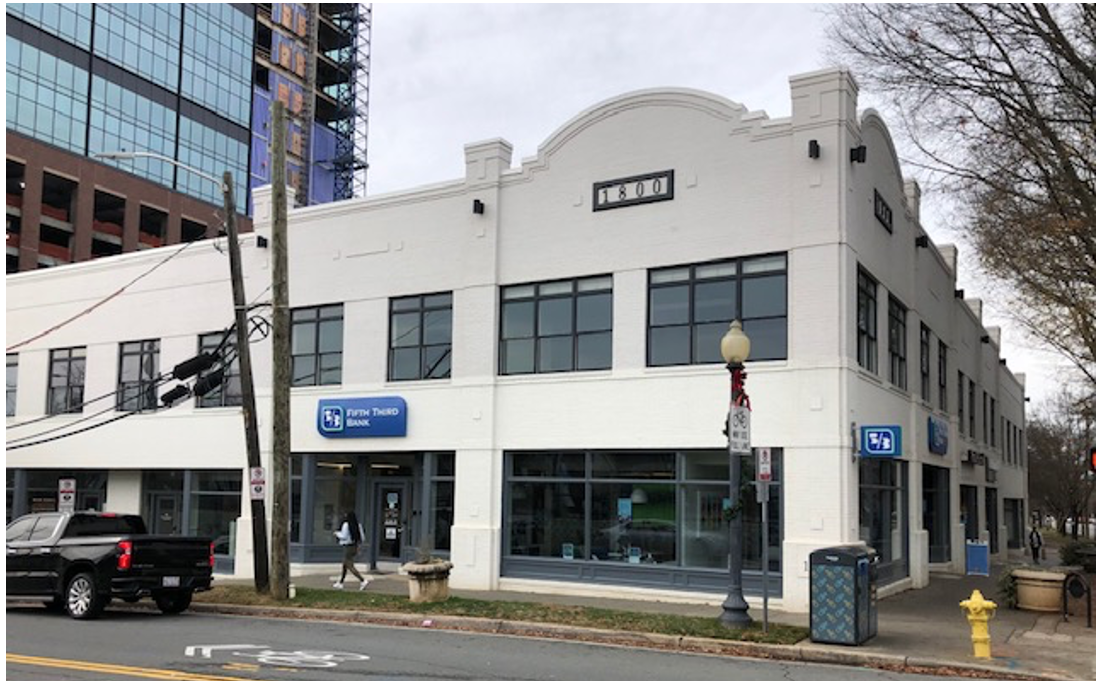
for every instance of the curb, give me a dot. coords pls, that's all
(802, 652)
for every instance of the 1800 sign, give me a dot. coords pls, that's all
(626, 192)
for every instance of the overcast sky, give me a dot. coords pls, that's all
(446, 75)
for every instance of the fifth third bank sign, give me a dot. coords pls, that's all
(367, 417)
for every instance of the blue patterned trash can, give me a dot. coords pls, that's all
(843, 599)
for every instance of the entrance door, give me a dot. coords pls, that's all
(390, 524)
(165, 514)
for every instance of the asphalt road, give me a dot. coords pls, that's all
(140, 646)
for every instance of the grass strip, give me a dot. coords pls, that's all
(575, 616)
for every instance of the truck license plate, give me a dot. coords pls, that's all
(171, 581)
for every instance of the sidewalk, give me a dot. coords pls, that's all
(923, 627)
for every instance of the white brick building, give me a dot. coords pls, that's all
(568, 433)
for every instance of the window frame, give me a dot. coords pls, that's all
(942, 373)
(926, 370)
(148, 350)
(322, 313)
(538, 298)
(68, 387)
(897, 343)
(12, 396)
(867, 321)
(693, 281)
(422, 309)
(220, 397)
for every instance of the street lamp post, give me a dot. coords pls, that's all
(735, 348)
(243, 351)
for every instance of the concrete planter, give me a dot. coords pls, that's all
(1039, 590)
(429, 582)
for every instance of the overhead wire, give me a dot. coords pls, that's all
(101, 302)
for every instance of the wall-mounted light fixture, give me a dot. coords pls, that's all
(922, 241)
(813, 150)
(261, 241)
(1003, 362)
(477, 206)
(858, 154)
(958, 294)
(985, 339)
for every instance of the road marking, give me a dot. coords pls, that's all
(207, 651)
(108, 668)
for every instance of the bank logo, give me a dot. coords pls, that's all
(332, 419)
(881, 440)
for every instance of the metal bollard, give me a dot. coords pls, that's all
(979, 612)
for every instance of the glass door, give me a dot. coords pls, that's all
(391, 526)
(166, 511)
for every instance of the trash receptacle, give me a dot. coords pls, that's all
(977, 558)
(843, 598)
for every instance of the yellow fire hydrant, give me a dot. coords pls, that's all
(979, 612)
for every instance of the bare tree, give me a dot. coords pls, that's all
(1000, 103)
(1058, 440)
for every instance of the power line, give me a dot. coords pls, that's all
(100, 302)
(70, 434)
(153, 384)
(112, 393)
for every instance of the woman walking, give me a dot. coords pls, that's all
(350, 537)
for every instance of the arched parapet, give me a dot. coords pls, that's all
(729, 113)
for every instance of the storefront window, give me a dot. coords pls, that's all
(335, 493)
(215, 506)
(636, 508)
(91, 489)
(884, 506)
(441, 499)
(937, 512)
(634, 523)
(547, 519)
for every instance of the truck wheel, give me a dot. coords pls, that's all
(82, 599)
(175, 602)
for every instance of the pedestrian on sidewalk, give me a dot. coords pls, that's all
(1035, 540)
(350, 536)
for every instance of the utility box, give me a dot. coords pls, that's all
(843, 598)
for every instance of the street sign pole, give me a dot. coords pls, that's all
(764, 477)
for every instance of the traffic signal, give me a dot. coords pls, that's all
(1092, 459)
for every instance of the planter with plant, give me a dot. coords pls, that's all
(428, 575)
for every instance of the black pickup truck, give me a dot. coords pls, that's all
(78, 562)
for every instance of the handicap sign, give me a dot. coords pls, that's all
(881, 441)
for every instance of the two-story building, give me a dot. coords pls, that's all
(521, 367)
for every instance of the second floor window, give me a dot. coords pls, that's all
(926, 390)
(972, 418)
(690, 308)
(420, 337)
(317, 345)
(13, 380)
(866, 326)
(896, 336)
(230, 392)
(138, 369)
(959, 406)
(942, 374)
(564, 325)
(992, 422)
(66, 380)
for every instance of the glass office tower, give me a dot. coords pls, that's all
(190, 82)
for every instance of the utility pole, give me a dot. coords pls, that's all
(247, 385)
(282, 360)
